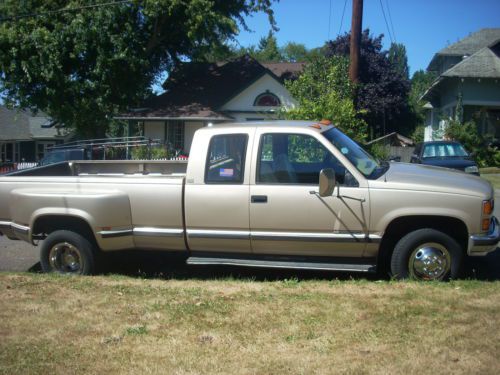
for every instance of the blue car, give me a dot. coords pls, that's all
(447, 154)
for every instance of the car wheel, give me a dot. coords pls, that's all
(67, 252)
(426, 254)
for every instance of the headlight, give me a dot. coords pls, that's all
(472, 169)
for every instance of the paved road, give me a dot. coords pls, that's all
(19, 256)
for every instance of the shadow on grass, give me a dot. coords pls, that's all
(161, 265)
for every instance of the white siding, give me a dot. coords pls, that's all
(244, 100)
(154, 130)
(189, 128)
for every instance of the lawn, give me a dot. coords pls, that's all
(116, 324)
(493, 178)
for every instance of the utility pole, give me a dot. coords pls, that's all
(357, 20)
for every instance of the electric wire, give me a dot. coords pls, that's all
(329, 19)
(390, 20)
(385, 19)
(342, 19)
(63, 10)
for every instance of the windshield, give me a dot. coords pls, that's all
(362, 160)
(441, 150)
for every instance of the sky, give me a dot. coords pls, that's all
(423, 26)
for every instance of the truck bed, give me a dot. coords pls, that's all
(127, 204)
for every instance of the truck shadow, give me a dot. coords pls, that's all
(149, 264)
(159, 265)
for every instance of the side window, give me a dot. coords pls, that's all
(296, 159)
(226, 159)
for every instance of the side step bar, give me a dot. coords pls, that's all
(285, 264)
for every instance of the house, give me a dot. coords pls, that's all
(468, 73)
(200, 94)
(25, 136)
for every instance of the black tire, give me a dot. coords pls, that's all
(409, 258)
(68, 252)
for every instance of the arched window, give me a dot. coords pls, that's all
(267, 99)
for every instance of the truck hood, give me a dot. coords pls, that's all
(403, 176)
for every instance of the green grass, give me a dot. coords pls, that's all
(59, 325)
(493, 178)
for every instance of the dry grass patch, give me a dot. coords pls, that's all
(94, 325)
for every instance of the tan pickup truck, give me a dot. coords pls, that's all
(279, 194)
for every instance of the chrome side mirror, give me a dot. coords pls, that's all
(326, 182)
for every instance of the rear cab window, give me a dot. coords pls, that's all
(226, 159)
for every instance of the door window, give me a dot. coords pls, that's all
(296, 159)
(226, 159)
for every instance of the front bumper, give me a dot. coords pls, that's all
(482, 244)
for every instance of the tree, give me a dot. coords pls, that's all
(383, 92)
(399, 60)
(295, 52)
(420, 82)
(81, 66)
(323, 91)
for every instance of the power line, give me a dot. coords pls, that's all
(386, 24)
(342, 19)
(63, 10)
(329, 19)
(390, 20)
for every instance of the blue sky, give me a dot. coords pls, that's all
(423, 26)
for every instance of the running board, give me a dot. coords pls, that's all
(284, 264)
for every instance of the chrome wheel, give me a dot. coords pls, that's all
(65, 258)
(430, 261)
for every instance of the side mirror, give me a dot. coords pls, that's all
(326, 182)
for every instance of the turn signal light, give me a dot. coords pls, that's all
(486, 225)
(488, 207)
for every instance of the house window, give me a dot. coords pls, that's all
(267, 99)
(42, 148)
(175, 134)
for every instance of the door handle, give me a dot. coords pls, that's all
(258, 198)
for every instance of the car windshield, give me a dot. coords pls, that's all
(444, 150)
(362, 160)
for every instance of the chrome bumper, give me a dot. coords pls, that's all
(482, 244)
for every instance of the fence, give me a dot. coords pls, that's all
(404, 153)
(10, 167)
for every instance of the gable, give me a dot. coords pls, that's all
(244, 101)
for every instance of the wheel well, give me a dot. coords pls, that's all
(400, 227)
(47, 224)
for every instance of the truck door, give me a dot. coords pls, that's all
(287, 217)
(217, 196)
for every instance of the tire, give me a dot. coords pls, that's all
(68, 252)
(427, 254)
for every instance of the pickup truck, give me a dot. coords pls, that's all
(281, 194)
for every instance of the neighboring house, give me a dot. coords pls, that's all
(25, 137)
(468, 71)
(200, 94)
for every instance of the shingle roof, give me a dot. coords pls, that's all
(467, 46)
(472, 43)
(197, 90)
(483, 64)
(23, 126)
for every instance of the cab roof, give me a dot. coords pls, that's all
(320, 126)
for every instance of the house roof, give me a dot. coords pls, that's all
(393, 138)
(23, 126)
(198, 90)
(468, 45)
(483, 64)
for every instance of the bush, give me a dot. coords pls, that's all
(469, 137)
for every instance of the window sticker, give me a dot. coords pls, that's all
(226, 172)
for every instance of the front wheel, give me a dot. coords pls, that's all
(426, 254)
(67, 252)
